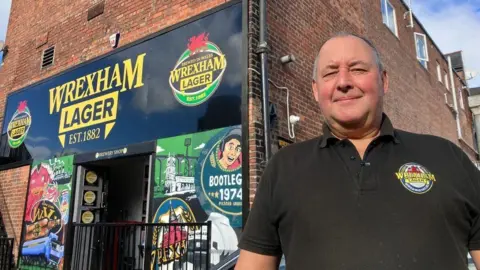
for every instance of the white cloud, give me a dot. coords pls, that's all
(39, 152)
(36, 139)
(454, 26)
(201, 146)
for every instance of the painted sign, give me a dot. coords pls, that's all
(47, 211)
(183, 81)
(201, 172)
(99, 92)
(19, 125)
(198, 72)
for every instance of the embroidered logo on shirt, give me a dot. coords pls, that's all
(415, 177)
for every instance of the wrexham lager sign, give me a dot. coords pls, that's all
(198, 72)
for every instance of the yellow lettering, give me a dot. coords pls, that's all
(219, 62)
(116, 77)
(80, 82)
(91, 89)
(70, 94)
(129, 74)
(399, 175)
(88, 113)
(102, 79)
(175, 75)
(56, 96)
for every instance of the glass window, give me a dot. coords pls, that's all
(439, 72)
(446, 80)
(388, 16)
(421, 48)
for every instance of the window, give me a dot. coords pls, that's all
(439, 73)
(461, 99)
(421, 48)
(389, 17)
(445, 77)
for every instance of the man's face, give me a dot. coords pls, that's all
(349, 87)
(232, 151)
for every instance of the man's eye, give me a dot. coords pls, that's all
(359, 70)
(328, 74)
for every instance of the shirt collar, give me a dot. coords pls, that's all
(386, 131)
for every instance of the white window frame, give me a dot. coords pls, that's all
(439, 73)
(387, 3)
(446, 80)
(424, 37)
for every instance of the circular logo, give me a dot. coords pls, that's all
(198, 72)
(220, 181)
(416, 178)
(19, 125)
(47, 215)
(87, 217)
(91, 177)
(89, 197)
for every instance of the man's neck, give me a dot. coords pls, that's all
(360, 138)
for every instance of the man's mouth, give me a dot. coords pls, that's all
(341, 99)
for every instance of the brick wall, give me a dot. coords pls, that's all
(13, 190)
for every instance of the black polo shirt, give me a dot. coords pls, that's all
(413, 202)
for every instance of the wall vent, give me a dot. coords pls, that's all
(48, 57)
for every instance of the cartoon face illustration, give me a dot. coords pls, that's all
(230, 150)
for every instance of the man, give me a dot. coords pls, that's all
(363, 195)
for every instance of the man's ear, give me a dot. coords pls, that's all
(385, 81)
(314, 90)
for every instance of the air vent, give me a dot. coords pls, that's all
(48, 56)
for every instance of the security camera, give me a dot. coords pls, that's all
(114, 40)
(287, 59)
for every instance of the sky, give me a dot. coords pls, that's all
(453, 24)
(4, 14)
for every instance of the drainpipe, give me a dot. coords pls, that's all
(454, 94)
(262, 51)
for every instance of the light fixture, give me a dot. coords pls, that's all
(287, 59)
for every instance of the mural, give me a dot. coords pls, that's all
(46, 215)
(198, 179)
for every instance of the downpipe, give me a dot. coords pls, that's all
(262, 51)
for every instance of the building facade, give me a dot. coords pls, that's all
(162, 106)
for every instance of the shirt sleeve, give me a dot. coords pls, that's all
(474, 176)
(260, 234)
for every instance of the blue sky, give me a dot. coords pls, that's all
(4, 12)
(453, 24)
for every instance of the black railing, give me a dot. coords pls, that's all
(112, 246)
(6, 253)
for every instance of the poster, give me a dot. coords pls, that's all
(198, 178)
(46, 214)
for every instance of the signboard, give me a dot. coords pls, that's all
(183, 81)
(47, 211)
(198, 176)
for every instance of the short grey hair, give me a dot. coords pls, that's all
(378, 59)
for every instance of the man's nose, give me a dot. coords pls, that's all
(344, 80)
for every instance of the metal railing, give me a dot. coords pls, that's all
(6, 253)
(125, 246)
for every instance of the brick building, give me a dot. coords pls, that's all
(55, 45)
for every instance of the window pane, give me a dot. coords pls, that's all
(384, 15)
(420, 47)
(391, 18)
